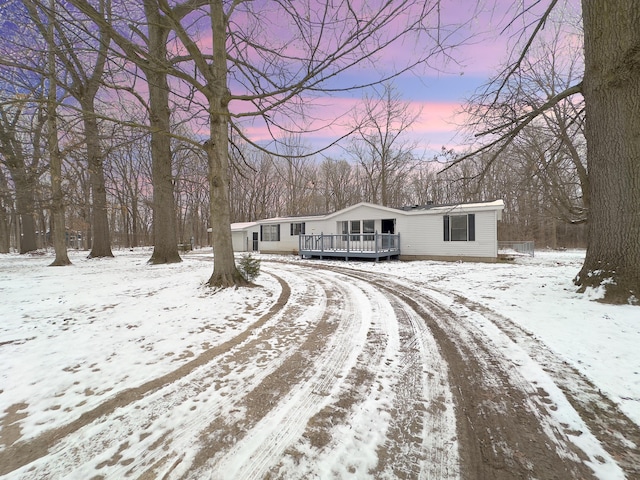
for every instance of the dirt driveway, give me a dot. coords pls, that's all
(350, 374)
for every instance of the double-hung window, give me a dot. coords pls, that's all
(355, 230)
(459, 228)
(368, 226)
(297, 228)
(270, 233)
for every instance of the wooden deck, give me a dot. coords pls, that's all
(366, 245)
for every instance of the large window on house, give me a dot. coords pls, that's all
(269, 233)
(357, 227)
(355, 230)
(460, 228)
(368, 226)
(297, 228)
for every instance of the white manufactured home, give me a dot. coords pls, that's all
(439, 232)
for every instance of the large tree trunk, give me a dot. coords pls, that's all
(25, 203)
(26, 209)
(101, 240)
(55, 160)
(165, 249)
(225, 273)
(5, 229)
(612, 98)
(57, 217)
(5, 244)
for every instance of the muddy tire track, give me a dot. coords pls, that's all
(288, 396)
(503, 424)
(422, 436)
(619, 435)
(355, 351)
(400, 377)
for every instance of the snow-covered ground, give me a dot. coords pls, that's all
(602, 341)
(71, 337)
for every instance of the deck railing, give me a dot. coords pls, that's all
(362, 244)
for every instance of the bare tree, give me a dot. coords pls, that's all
(192, 193)
(21, 120)
(77, 194)
(274, 76)
(24, 171)
(84, 68)
(266, 73)
(297, 172)
(148, 50)
(380, 145)
(55, 157)
(164, 214)
(5, 214)
(337, 177)
(609, 86)
(255, 184)
(126, 179)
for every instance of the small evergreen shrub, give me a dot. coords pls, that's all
(249, 267)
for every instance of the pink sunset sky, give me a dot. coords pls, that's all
(439, 93)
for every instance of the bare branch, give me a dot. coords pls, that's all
(521, 123)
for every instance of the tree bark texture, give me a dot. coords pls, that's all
(57, 216)
(5, 243)
(24, 184)
(26, 210)
(5, 217)
(225, 273)
(55, 160)
(101, 239)
(165, 243)
(612, 97)
(25, 205)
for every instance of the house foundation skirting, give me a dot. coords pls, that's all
(447, 258)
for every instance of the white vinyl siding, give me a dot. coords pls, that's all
(422, 235)
(421, 231)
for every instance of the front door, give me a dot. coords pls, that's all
(389, 225)
(255, 242)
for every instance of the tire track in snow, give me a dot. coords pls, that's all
(394, 397)
(422, 436)
(24, 452)
(240, 374)
(360, 324)
(282, 404)
(504, 427)
(619, 435)
(336, 423)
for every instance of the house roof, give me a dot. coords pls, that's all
(290, 219)
(410, 210)
(422, 209)
(455, 207)
(242, 225)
